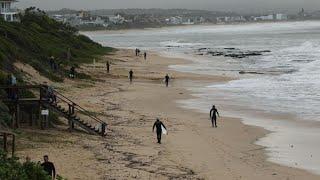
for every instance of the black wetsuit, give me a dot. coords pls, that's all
(145, 56)
(167, 80)
(158, 125)
(130, 75)
(213, 116)
(108, 67)
(49, 168)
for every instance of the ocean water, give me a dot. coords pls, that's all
(288, 83)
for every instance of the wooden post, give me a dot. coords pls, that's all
(73, 108)
(13, 113)
(33, 117)
(39, 123)
(5, 142)
(103, 129)
(17, 115)
(46, 117)
(70, 113)
(13, 144)
(41, 93)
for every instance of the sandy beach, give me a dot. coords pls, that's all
(191, 150)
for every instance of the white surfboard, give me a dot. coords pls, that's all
(164, 131)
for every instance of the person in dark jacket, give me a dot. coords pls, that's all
(158, 125)
(49, 167)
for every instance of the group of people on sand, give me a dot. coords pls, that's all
(47, 166)
(160, 127)
(138, 53)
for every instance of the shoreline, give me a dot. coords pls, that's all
(273, 123)
(192, 150)
(189, 25)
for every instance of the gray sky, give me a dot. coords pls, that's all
(223, 5)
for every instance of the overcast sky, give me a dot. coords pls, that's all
(223, 5)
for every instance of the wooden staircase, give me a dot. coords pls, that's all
(74, 113)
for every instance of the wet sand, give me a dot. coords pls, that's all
(191, 150)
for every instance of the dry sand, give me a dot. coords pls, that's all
(191, 150)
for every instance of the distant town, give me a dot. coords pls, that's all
(148, 18)
(114, 19)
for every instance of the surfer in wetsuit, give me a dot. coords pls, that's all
(166, 79)
(130, 75)
(158, 124)
(213, 115)
(108, 66)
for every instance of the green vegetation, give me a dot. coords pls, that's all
(37, 37)
(12, 169)
(34, 40)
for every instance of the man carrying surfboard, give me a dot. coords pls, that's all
(160, 128)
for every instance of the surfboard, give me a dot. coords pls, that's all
(164, 131)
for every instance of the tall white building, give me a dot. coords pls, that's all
(7, 12)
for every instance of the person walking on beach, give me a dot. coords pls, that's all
(72, 72)
(213, 115)
(145, 55)
(48, 167)
(130, 75)
(158, 125)
(136, 51)
(166, 79)
(108, 66)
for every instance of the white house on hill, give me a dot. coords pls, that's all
(7, 12)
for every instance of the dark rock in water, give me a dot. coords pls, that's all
(250, 72)
(201, 49)
(172, 46)
(232, 52)
(265, 51)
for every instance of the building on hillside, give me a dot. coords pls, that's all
(175, 20)
(264, 18)
(83, 14)
(281, 17)
(7, 12)
(93, 21)
(59, 18)
(118, 19)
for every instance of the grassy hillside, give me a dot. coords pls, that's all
(37, 37)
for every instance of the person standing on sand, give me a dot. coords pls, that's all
(108, 66)
(136, 51)
(72, 73)
(130, 75)
(213, 115)
(158, 125)
(49, 167)
(145, 55)
(166, 79)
